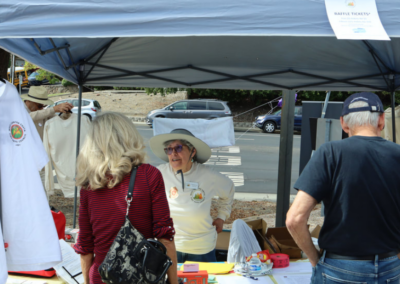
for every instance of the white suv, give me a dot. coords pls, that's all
(90, 108)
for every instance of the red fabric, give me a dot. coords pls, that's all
(60, 221)
(102, 213)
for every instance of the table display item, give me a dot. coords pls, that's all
(199, 277)
(243, 269)
(280, 260)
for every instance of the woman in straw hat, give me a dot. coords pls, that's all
(190, 187)
(35, 101)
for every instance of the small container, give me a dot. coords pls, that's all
(254, 265)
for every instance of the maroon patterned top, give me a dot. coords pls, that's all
(102, 213)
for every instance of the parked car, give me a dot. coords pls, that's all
(90, 108)
(32, 81)
(199, 108)
(269, 123)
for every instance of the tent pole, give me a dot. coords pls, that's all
(285, 157)
(12, 69)
(393, 116)
(78, 134)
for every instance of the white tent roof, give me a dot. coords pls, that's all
(253, 44)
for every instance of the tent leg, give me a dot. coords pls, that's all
(12, 69)
(285, 157)
(393, 116)
(78, 136)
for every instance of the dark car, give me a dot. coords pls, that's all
(199, 108)
(34, 82)
(270, 122)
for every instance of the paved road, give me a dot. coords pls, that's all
(252, 163)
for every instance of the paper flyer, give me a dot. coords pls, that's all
(355, 19)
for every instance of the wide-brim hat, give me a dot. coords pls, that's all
(37, 94)
(203, 151)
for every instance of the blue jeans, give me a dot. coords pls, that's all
(335, 271)
(208, 257)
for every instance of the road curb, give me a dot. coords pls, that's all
(244, 196)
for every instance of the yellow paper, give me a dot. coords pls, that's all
(213, 268)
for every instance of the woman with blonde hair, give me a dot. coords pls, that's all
(112, 148)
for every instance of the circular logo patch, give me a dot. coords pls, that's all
(198, 195)
(17, 132)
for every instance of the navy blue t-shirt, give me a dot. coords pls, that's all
(358, 179)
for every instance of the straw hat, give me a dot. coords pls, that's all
(203, 151)
(38, 95)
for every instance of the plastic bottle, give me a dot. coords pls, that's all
(254, 264)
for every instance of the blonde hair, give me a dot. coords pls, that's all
(112, 147)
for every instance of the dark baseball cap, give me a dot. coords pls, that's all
(374, 103)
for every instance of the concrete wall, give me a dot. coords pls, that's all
(56, 89)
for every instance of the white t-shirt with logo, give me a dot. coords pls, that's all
(28, 226)
(190, 208)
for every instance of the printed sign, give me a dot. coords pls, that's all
(355, 19)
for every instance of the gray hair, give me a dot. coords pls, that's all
(361, 118)
(184, 142)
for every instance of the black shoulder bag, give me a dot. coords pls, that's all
(133, 259)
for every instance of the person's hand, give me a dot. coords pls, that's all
(64, 107)
(219, 224)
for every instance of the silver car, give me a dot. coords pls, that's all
(90, 108)
(199, 108)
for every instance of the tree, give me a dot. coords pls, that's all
(43, 74)
(4, 63)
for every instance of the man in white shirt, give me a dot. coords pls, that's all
(35, 101)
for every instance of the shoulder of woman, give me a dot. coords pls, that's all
(163, 167)
(213, 173)
(149, 169)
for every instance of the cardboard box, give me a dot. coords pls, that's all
(284, 241)
(256, 223)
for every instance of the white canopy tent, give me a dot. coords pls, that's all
(254, 44)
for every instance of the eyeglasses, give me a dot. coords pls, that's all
(170, 150)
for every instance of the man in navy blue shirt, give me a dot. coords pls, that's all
(357, 179)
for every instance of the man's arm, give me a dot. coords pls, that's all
(296, 222)
(39, 115)
(86, 263)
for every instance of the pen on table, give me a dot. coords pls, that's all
(251, 277)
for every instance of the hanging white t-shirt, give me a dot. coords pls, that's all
(59, 140)
(3, 264)
(28, 226)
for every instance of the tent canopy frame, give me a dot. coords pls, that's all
(286, 143)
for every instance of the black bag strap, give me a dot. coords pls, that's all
(132, 182)
(128, 197)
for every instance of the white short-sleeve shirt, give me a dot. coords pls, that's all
(28, 226)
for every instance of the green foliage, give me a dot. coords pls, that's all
(234, 96)
(66, 83)
(127, 88)
(258, 97)
(43, 74)
(29, 66)
(100, 88)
